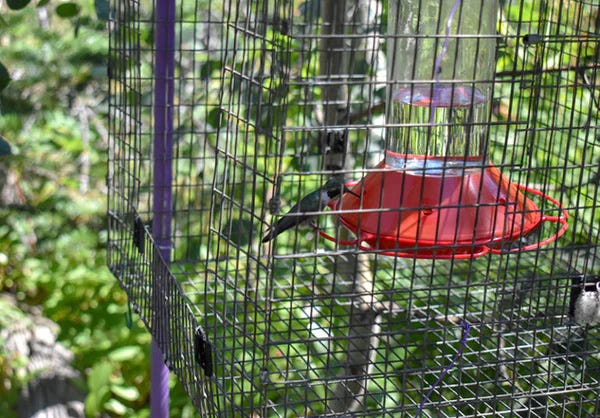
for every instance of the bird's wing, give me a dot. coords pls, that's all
(293, 217)
(296, 215)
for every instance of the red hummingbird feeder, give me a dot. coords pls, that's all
(436, 195)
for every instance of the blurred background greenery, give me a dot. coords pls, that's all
(53, 113)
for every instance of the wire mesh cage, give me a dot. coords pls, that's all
(226, 114)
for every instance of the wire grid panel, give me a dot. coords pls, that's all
(271, 99)
(133, 256)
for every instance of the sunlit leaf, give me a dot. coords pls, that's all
(115, 407)
(99, 387)
(129, 393)
(99, 376)
(125, 353)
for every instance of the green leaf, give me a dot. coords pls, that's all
(129, 352)
(101, 7)
(92, 404)
(99, 388)
(214, 117)
(129, 393)
(4, 147)
(68, 10)
(208, 67)
(4, 77)
(116, 407)
(17, 4)
(99, 377)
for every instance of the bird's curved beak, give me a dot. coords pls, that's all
(347, 190)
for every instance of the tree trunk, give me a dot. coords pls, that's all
(336, 64)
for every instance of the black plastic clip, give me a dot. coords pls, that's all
(203, 351)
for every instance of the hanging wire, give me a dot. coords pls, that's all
(463, 342)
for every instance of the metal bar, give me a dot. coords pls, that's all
(162, 208)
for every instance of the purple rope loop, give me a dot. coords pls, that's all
(437, 69)
(463, 342)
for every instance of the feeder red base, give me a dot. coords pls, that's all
(420, 216)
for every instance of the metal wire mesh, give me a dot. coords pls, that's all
(271, 98)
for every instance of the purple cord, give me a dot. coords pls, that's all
(438, 61)
(463, 342)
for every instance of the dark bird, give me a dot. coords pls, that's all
(312, 202)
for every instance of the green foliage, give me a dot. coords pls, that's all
(11, 373)
(53, 229)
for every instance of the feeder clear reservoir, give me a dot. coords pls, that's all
(440, 70)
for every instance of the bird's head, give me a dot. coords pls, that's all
(335, 187)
